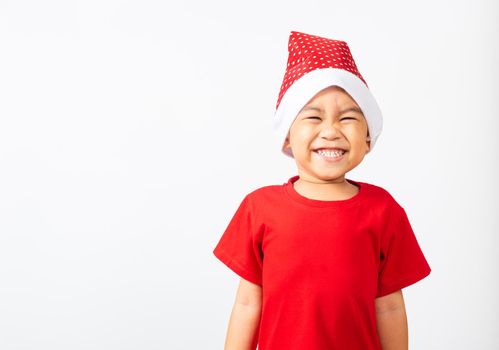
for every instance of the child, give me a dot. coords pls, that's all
(322, 258)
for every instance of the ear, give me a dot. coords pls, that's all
(368, 142)
(287, 147)
(286, 142)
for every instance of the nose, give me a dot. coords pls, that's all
(330, 131)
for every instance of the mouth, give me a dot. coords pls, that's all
(330, 153)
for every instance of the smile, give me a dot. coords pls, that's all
(331, 155)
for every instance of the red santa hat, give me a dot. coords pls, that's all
(315, 63)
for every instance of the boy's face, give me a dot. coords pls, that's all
(331, 119)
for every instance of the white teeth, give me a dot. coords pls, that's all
(329, 153)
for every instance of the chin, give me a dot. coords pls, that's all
(334, 177)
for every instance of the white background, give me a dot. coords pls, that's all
(131, 130)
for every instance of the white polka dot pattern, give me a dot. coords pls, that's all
(309, 52)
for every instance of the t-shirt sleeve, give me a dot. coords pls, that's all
(240, 245)
(402, 262)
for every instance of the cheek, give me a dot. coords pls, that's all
(301, 133)
(355, 131)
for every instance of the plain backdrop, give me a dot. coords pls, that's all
(131, 130)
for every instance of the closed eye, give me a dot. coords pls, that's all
(313, 118)
(348, 118)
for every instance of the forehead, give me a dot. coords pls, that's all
(320, 109)
(332, 95)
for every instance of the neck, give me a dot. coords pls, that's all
(335, 189)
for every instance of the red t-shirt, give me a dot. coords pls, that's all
(321, 264)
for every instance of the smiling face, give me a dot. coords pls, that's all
(328, 137)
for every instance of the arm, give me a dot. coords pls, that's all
(242, 333)
(391, 321)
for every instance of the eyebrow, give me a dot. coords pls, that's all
(350, 109)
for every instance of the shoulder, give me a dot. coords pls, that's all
(257, 204)
(382, 207)
(264, 198)
(265, 193)
(379, 195)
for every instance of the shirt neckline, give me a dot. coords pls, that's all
(290, 190)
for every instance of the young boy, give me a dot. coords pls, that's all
(322, 258)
